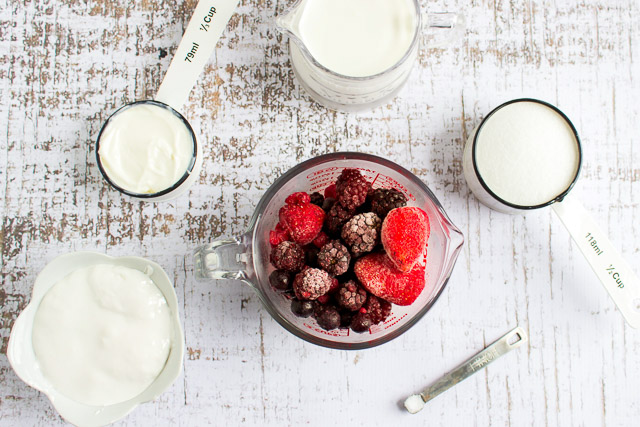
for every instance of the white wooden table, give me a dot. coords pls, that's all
(66, 65)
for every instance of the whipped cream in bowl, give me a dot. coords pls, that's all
(149, 151)
(100, 336)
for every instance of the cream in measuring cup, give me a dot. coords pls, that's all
(102, 334)
(526, 155)
(146, 149)
(358, 38)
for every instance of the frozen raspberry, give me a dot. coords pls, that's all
(334, 258)
(362, 233)
(288, 256)
(336, 218)
(328, 317)
(302, 219)
(281, 280)
(361, 322)
(320, 240)
(330, 192)
(352, 188)
(279, 235)
(311, 283)
(384, 200)
(351, 296)
(301, 308)
(377, 308)
(316, 199)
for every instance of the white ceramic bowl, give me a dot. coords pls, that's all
(23, 360)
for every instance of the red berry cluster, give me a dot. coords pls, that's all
(339, 262)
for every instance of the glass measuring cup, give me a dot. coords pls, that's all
(617, 277)
(205, 27)
(347, 93)
(246, 258)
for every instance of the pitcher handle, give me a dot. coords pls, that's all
(223, 259)
(443, 29)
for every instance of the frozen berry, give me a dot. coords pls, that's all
(334, 258)
(330, 192)
(328, 318)
(301, 308)
(377, 308)
(352, 188)
(302, 219)
(361, 322)
(279, 235)
(320, 240)
(280, 280)
(328, 203)
(384, 200)
(345, 318)
(336, 218)
(351, 296)
(405, 232)
(316, 199)
(362, 233)
(288, 256)
(311, 283)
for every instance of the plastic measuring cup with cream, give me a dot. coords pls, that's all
(102, 334)
(525, 155)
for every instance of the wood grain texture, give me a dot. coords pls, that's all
(66, 65)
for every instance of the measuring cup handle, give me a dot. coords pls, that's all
(616, 276)
(442, 29)
(207, 23)
(223, 259)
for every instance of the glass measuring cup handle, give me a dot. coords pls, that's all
(442, 29)
(207, 23)
(224, 259)
(614, 273)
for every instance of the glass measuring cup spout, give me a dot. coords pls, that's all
(246, 258)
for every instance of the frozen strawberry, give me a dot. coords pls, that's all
(404, 235)
(279, 235)
(330, 192)
(301, 218)
(378, 275)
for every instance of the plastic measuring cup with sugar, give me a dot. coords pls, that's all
(147, 149)
(354, 55)
(525, 155)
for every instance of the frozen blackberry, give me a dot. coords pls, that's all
(311, 283)
(345, 318)
(377, 308)
(328, 318)
(317, 199)
(288, 256)
(361, 322)
(362, 233)
(281, 280)
(351, 296)
(352, 188)
(336, 218)
(301, 308)
(334, 258)
(328, 203)
(384, 200)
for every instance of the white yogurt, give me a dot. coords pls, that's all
(527, 153)
(358, 38)
(145, 149)
(102, 334)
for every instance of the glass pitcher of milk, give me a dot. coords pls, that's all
(354, 55)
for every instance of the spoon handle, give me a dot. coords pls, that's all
(207, 23)
(510, 341)
(614, 273)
